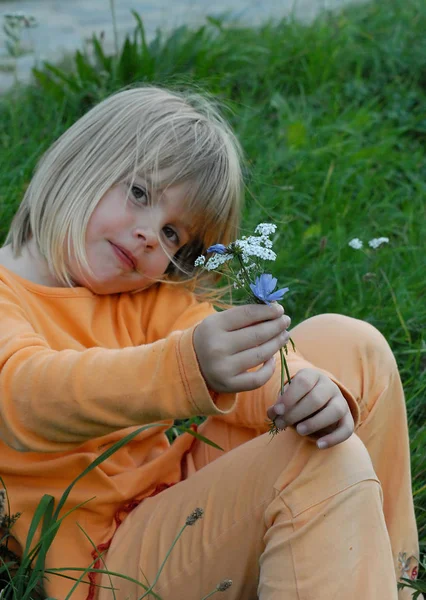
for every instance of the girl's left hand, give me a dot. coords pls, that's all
(316, 407)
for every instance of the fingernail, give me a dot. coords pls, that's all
(279, 409)
(279, 309)
(302, 429)
(321, 445)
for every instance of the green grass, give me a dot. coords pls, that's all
(332, 117)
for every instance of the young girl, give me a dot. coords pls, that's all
(102, 331)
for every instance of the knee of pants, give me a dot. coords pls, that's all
(347, 329)
(373, 344)
(313, 475)
(377, 361)
(356, 343)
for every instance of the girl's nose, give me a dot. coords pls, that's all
(147, 235)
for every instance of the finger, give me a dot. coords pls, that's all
(254, 379)
(249, 359)
(301, 384)
(243, 316)
(279, 422)
(344, 431)
(308, 406)
(256, 335)
(329, 415)
(277, 410)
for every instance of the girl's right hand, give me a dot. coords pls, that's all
(229, 343)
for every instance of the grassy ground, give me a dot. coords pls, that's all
(332, 117)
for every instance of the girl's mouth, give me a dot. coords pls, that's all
(123, 256)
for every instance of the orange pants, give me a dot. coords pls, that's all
(282, 519)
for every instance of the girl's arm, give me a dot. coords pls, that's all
(53, 400)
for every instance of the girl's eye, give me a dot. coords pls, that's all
(139, 194)
(171, 235)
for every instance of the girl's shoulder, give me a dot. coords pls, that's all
(10, 270)
(18, 265)
(6, 259)
(22, 281)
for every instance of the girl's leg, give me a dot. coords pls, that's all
(282, 519)
(358, 355)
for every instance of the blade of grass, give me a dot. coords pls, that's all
(104, 456)
(198, 436)
(100, 557)
(59, 572)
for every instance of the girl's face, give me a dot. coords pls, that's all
(123, 238)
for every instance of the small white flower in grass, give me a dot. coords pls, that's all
(356, 244)
(376, 242)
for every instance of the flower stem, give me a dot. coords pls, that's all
(273, 429)
(151, 587)
(210, 594)
(282, 357)
(284, 367)
(244, 270)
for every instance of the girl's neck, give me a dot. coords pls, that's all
(29, 265)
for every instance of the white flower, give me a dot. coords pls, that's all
(265, 229)
(254, 240)
(267, 242)
(356, 244)
(248, 246)
(255, 246)
(199, 262)
(376, 242)
(217, 260)
(258, 251)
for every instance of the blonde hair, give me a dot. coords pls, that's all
(166, 137)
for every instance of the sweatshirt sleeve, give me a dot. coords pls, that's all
(52, 400)
(250, 410)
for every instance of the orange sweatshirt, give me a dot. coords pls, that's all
(80, 371)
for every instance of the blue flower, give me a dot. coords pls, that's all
(263, 289)
(218, 248)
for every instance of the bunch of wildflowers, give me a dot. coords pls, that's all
(242, 262)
